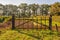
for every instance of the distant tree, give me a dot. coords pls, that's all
(55, 9)
(29, 10)
(44, 9)
(1, 9)
(34, 8)
(9, 9)
(23, 6)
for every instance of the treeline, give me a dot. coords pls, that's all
(25, 10)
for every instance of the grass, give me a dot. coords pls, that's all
(31, 34)
(15, 35)
(6, 18)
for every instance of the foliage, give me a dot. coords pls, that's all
(34, 8)
(23, 7)
(55, 9)
(1, 20)
(44, 9)
(4, 18)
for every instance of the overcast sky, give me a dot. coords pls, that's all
(17, 2)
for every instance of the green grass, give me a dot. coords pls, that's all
(31, 34)
(15, 35)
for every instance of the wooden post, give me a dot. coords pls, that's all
(50, 22)
(56, 27)
(13, 21)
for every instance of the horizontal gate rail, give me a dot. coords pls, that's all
(22, 24)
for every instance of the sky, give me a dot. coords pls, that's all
(17, 2)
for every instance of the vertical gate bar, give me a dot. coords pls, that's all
(32, 22)
(45, 22)
(37, 22)
(23, 22)
(50, 22)
(41, 22)
(28, 24)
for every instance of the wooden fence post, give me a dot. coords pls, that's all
(56, 27)
(13, 21)
(50, 22)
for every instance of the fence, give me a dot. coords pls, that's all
(32, 23)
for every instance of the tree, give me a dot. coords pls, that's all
(34, 8)
(44, 9)
(23, 6)
(55, 9)
(1, 9)
(29, 11)
(9, 9)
